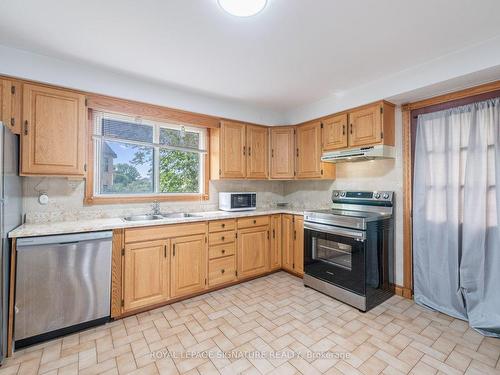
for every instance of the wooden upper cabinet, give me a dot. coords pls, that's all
(232, 152)
(308, 150)
(282, 152)
(53, 133)
(257, 151)
(10, 104)
(335, 132)
(253, 249)
(188, 265)
(371, 125)
(146, 274)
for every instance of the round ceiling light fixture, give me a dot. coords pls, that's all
(242, 8)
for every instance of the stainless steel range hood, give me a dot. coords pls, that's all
(360, 154)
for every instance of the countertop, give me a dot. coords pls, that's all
(63, 227)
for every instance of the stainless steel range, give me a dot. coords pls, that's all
(348, 250)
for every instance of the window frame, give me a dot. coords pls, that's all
(92, 197)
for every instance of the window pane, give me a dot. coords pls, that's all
(126, 168)
(179, 171)
(127, 130)
(180, 138)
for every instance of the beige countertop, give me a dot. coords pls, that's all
(31, 230)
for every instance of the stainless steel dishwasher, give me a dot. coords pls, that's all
(63, 284)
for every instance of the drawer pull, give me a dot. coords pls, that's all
(222, 238)
(222, 270)
(223, 251)
(255, 221)
(223, 225)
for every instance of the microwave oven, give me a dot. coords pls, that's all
(235, 201)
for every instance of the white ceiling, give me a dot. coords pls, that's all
(293, 53)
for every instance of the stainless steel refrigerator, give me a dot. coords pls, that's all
(10, 217)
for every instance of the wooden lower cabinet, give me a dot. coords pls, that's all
(253, 251)
(221, 270)
(275, 253)
(188, 265)
(293, 243)
(146, 274)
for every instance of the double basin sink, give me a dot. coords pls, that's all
(172, 215)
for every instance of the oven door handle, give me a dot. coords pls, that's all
(345, 232)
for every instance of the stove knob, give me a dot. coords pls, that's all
(336, 194)
(377, 195)
(342, 194)
(386, 196)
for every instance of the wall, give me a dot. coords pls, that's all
(368, 175)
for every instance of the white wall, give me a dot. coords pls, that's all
(29, 65)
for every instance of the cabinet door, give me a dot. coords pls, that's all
(146, 274)
(53, 140)
(288, 242)
(298, 246)
(365, 126)
(10, 105)
(233, 150)
(188, 265)
(275, 253)
(257, 152)
(282, 153)
(308, 150)
(253, 248)
(335, 132)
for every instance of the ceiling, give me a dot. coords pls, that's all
(293, 53)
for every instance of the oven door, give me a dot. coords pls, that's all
(336, 255)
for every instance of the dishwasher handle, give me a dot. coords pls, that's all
(63, 239)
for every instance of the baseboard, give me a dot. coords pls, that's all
(402, 291)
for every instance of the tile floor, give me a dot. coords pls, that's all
(261, 327)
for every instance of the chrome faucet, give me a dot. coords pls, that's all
(155, 208)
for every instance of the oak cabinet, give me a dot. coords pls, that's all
(257, 152)
(221, 270)
(232, 150)
(334, 132)
(282, 152)
(308, 153)
(188, 265)
(275, 253)
(293, 243)
(371, 125)
(146, 274)
(53, 134)
(10, 104)
(253, 250)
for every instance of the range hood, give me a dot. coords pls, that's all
(360, 154)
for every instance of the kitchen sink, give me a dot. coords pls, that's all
(179, 215)
(143, 217)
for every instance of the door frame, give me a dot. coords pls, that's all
(410, 114)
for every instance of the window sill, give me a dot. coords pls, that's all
(89, 201)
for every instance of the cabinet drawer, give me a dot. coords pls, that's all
(221, 250)
(221, 237)
(221, 270)
(250, 222)
(221, 225)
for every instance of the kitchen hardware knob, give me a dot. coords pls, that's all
(336, 194)
(255, 221)
(377, 196)
(342, 194)
(386, 196)
(223, 251)
(222, 238)
(223, 225)
(222, 270)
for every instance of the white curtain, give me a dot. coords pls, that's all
(456, 241)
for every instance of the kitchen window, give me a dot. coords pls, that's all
(136, 159)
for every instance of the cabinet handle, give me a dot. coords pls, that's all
(174, 249)
(222, 238)
(272, 152)
(249, 151)
(267, 234)
(351, 128)
(343, 129)
(223, 251)
(223, 225)
(297, 152)
(222, 270)
(25, 127)
(294, 234)
(165, 251)
(244, 150)
(274, 234)
(255, 221)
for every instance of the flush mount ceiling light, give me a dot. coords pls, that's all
(242, 8)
